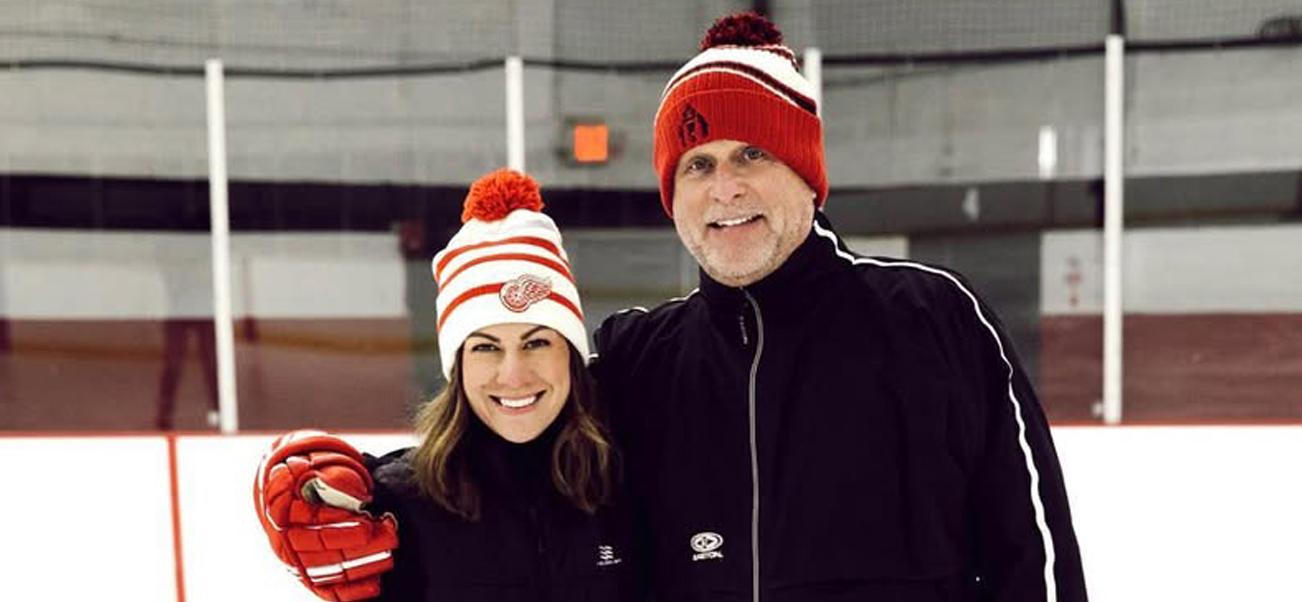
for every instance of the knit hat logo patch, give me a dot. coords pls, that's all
(525, 290)
(692, 127)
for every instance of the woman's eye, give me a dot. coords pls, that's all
(752, 153)
(536, 343)
(483, 347)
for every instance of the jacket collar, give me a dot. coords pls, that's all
(787, 290)
(503, 466)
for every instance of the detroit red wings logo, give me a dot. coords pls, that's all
(519, 294)
(692, 127)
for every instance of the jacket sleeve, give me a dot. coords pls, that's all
(605, 346)
(391, 476)
(610, 365)
(1025, 547)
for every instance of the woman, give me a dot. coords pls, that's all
(509, 494)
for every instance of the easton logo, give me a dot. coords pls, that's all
(706, 544)
(692, 127)
(527, 289)
(606, 556)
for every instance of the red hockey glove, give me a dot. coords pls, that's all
(310, 494)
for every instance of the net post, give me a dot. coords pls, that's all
(515, 113)
(814, 73)
(1113, 225)
(219, 217)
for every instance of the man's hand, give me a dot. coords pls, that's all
(310, 493)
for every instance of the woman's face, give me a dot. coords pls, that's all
(517, 378)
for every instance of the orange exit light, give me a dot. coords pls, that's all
(591, 143)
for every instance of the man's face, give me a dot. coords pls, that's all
(739, 210)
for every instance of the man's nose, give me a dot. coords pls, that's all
(726, 185)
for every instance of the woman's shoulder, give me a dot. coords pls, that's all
(392, 473)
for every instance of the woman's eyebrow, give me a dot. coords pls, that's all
(531, 331)
(486, 336)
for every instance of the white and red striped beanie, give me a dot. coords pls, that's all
(745, 86)
(505, 265)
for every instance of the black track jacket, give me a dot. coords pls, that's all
(845, 429)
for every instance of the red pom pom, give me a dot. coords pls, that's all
(742, 29)
(497, 194)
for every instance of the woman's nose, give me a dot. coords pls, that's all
(513, 371)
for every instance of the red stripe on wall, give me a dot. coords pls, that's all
(174, 489)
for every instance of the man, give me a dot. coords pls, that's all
(810, 424)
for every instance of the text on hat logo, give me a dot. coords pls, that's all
(525, 290)
(706, 544)
(692, 127)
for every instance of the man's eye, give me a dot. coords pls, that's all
(752, 153)
(696, 166)
(537, 343)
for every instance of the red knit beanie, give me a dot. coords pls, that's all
(745, 86)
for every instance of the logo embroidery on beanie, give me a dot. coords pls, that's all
(527, 289)
(692, 127)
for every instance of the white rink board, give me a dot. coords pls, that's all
(1196, 514)
(86, 519)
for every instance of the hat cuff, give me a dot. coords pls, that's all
(786, 131)
(487, 310)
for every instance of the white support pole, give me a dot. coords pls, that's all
(515, 113)
(221, 247)
(1113, 224)
(814, 73)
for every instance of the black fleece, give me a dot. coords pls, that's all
(866, 419)
(530, 543)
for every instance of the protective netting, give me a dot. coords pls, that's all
(849, 27)
(1202, 19)
(295, 34)
(335, 34)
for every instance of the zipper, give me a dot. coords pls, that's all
(741, 322)
(754, 449)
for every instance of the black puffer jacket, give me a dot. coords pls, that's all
(844, 429)
(530, 544)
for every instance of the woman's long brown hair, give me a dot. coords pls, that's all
(583, 459)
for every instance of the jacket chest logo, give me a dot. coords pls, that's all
(706, 546)
(606, 556)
